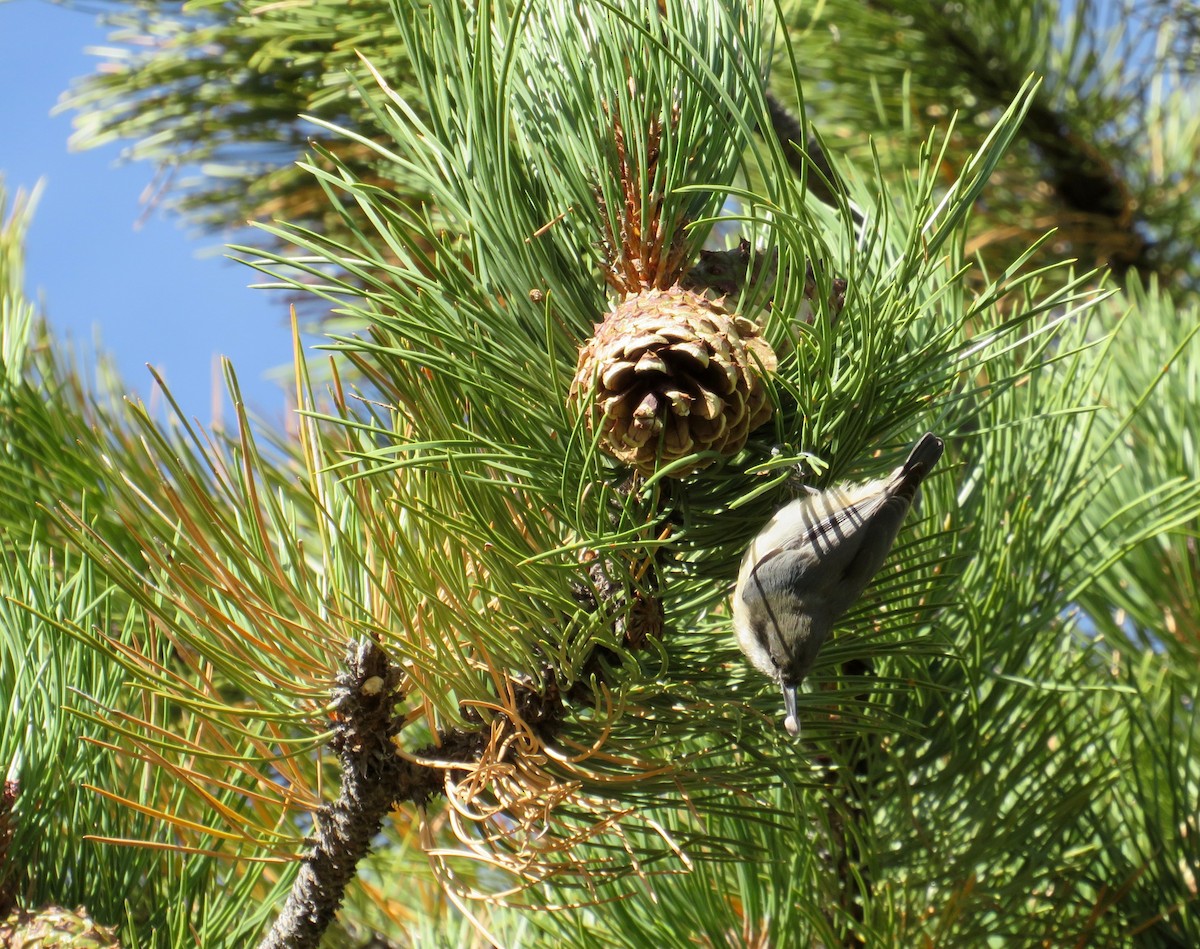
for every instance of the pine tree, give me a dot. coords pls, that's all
(451, 662)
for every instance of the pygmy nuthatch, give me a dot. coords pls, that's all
(812, 561)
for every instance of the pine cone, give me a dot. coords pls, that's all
(669, 373)
(55, 926)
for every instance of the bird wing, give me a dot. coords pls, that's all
(841, 542)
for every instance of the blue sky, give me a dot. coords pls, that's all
(156, 291)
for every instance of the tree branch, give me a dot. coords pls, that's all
(786, 127)
(373, 778)
(1082, 176)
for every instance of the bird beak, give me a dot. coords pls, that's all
(792, 722)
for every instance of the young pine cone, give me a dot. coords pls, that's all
(669, 373)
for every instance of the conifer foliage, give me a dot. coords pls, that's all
(449, 661)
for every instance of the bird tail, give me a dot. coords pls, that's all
(924, 455)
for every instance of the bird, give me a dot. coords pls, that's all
(812, 561)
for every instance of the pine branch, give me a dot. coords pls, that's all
(373, 778)
(1086, 180)
(787, 127)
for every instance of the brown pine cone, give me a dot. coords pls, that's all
(669, 373)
